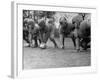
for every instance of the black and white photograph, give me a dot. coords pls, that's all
(55, 39)
(50, 40)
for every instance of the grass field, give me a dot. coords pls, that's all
(35, 58)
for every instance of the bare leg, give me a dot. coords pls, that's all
(25, 36)
(35, 43)
(41, 36)
(54, 42)
(30, 39)
(62, 41)
(78, 44)
(77, 40)
(73, 39)
(44, 39)
(39, 41)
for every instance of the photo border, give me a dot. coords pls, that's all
(16, 55)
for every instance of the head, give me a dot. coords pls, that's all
(63, 22)
(35, 30)
(30, 26)
(77, 20)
